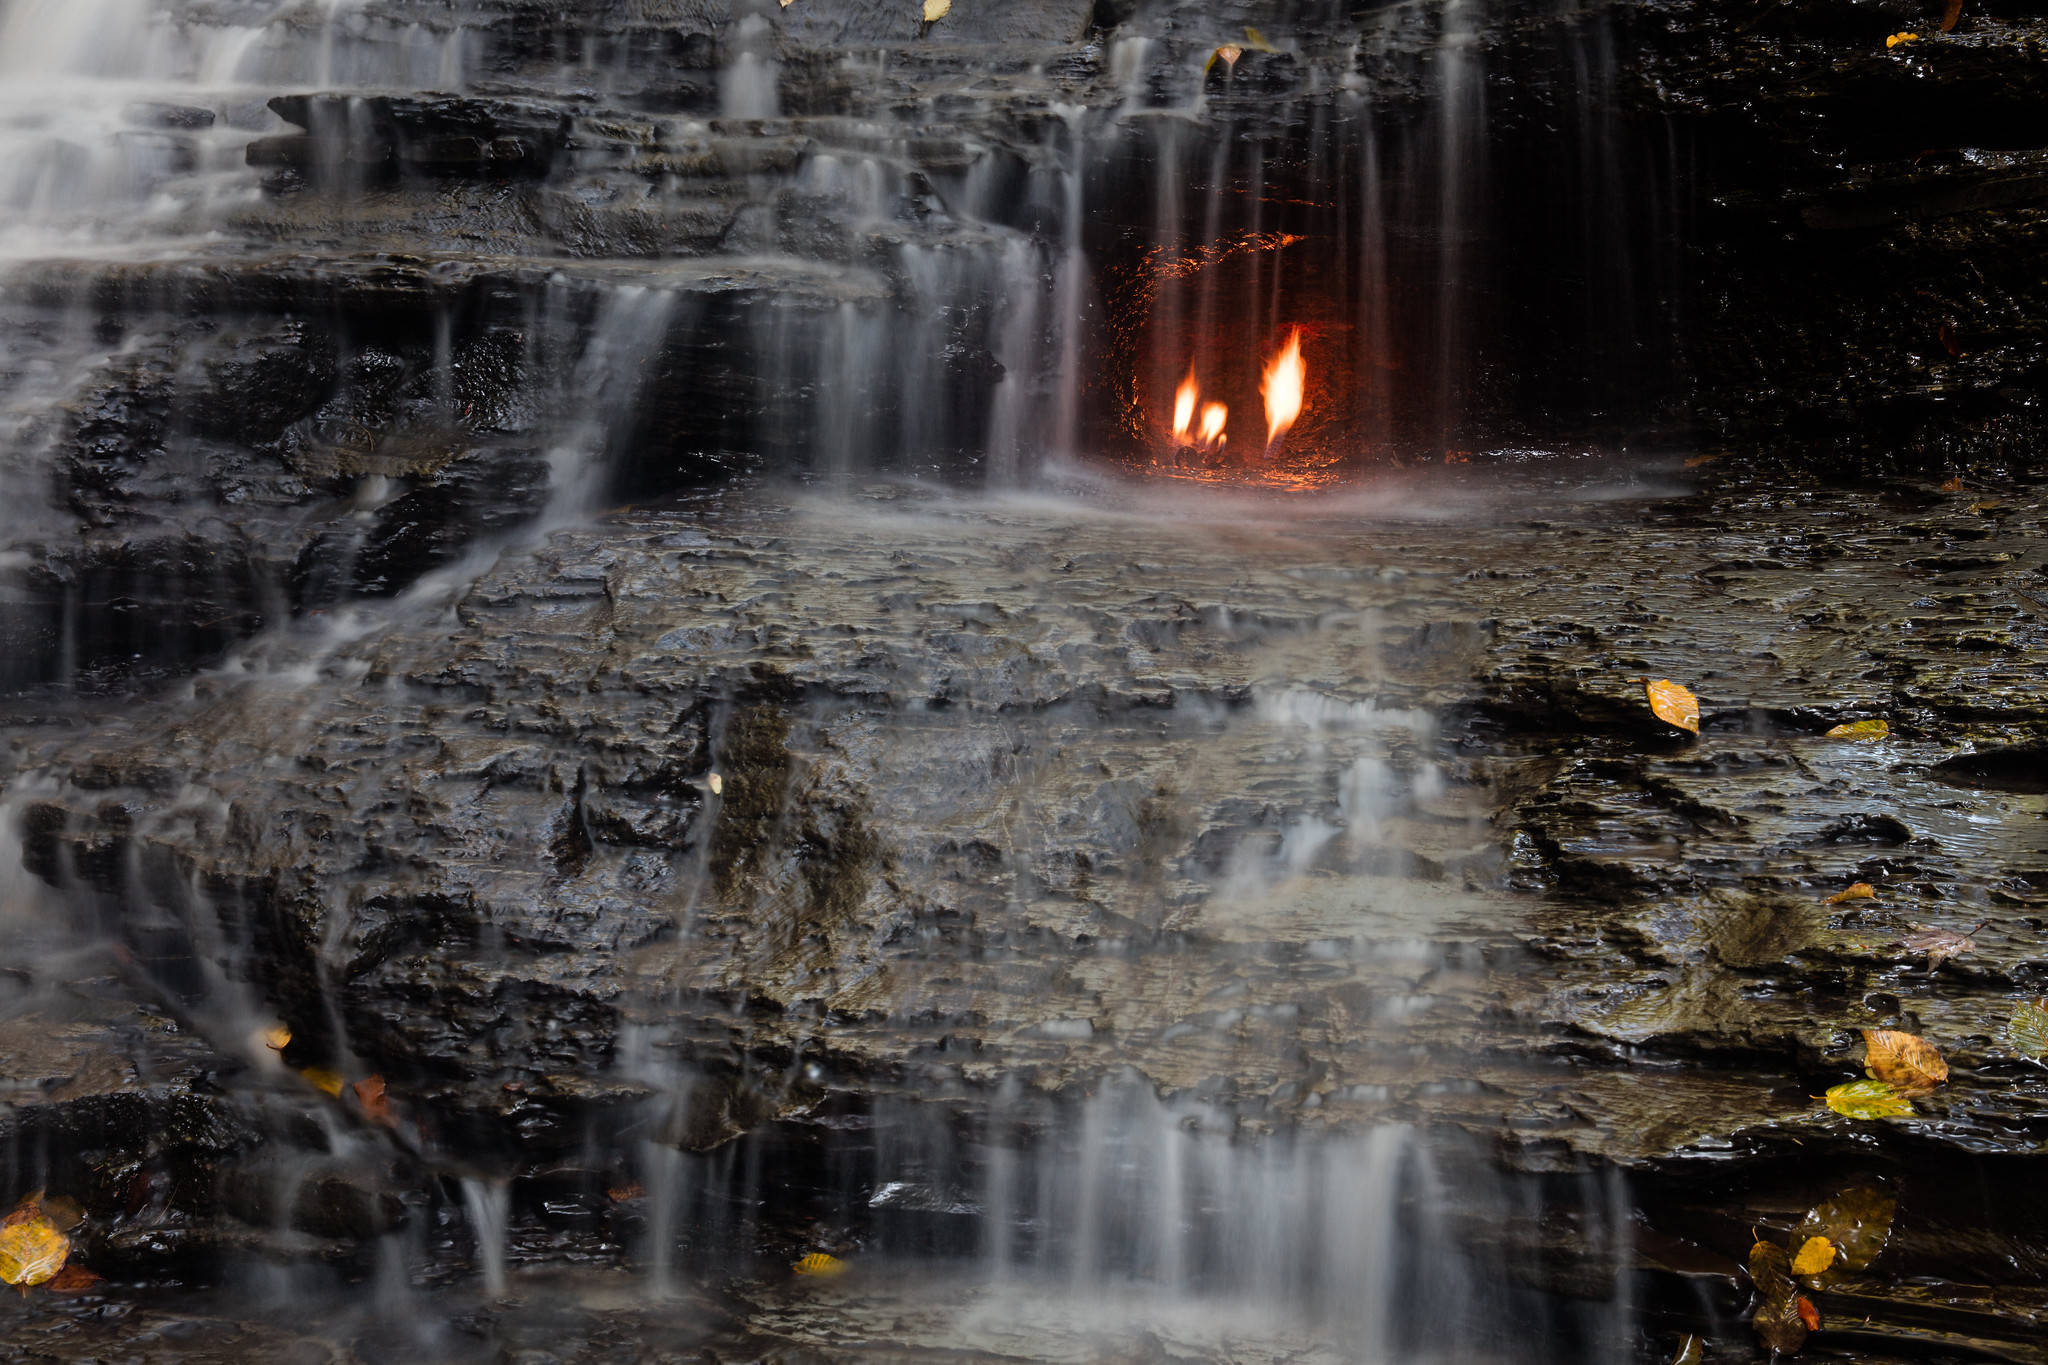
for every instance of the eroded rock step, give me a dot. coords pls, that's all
(1319, 823)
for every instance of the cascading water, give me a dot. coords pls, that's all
(1079, 910)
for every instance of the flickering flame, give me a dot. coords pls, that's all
(1214, 415)
(1184, 405)
(1281, 388)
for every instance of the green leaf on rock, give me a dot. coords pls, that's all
(2027, 1030)
(1867, 1100)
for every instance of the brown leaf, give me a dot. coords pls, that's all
(370, 1095)
(1861, 891)
(1857, 1221)
(1691, 1351)
(1952, 12)
(1780, 1326)
(1910, 1063)
(1808, 1314)
(1770, 1270)
(1674, 705)
(72, 1279)
(1940, 944)
(620, 1194)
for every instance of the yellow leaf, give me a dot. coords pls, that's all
(1861, 729)
(1860, 891)
(32, 1251)
(1898, 38)
(1691, 1351)
(1257, 41)
(935, 10)
(1857, 1221)
(1867, 1100)
(1674, 705)
(1817, 1255)
(276, 1037)
(820, 1266)
(1902, 1060)
(716, 783)
(323, 1080)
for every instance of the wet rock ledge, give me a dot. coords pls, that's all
(1314, 820)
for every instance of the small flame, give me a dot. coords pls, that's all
(1214, 415)
(1282, 388)
(1184, 405)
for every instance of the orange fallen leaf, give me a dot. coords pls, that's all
(1895, 39)
(277, 1037)
(1908, 1063)
(1952, 12)
(622, 1193)
(1808, 1314)
(1673, 704)
(1859, 891)
(1953, 485)
(370, 1095)
(1695, 461)
(72, 1279)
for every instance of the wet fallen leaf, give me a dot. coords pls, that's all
(620, 1194)
(716, 783)
(65, 1213)
(1952, 485)
(1860, 891)
(787, 3)
(1904, 1061)
(1987, 507)
(1895, 39)
(820, 1266)
(2027, 1030)
(1695, 462)
(1949, 14)
(1867, 1100)
(1816, 1255)
(935, 10)
(1779, 1325)
(32, 1251)
(1857, 1221)
(323, 1080)
(1674, 705)
(72, 1279)
(1808, 1314)
(1861, 729)
(1939, 944)
(1227, 54)
(370, 1095)
(1691, 1351)
(277, 1037)
(1770, 1270)
(1257, 41)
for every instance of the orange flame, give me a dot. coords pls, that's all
(1281, 388)
(1214, 415)
(1184, 405)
